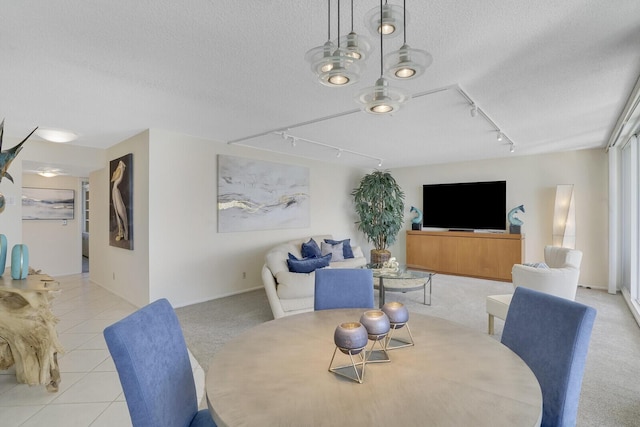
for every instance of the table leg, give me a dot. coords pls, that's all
(424, 300)
(382, 292)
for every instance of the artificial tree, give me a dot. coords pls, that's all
(379, 203)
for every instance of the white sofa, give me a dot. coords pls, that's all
(292, 293)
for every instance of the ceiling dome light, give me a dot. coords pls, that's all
(47, 174)
(407, 63)
(389, 23)
(56, 135)
(381, 99)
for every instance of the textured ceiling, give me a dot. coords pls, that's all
(552, 75)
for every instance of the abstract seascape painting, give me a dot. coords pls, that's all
(47, 203)
(258, 195)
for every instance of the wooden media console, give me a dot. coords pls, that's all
(482, 255)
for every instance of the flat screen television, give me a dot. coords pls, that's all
(465, 205)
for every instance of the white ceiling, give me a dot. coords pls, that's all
(553, 75)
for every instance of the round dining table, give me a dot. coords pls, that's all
(277, 374)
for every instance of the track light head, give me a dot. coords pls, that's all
(499, 136)
(474, 110)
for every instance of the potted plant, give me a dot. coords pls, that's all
(379, 203)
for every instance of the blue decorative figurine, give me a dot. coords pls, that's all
(416, 222)
(514, 221)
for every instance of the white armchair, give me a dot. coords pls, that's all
(560, 279)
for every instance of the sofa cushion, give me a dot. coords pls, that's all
(346, 247)
(307, 265)
(295, 285)
(276, 258)
(336, 251)
(310, 249)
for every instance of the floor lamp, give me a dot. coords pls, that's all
(564, 217)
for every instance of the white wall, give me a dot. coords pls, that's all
(531, 181)
(179, 254)
(40, 236)
(122, 271)
(55, 247)
(189, 260)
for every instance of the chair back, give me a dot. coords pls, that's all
(152, 361)
(343, 288)
(557, 257)
(551, 334)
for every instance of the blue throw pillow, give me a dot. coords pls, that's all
(311, 249)
(307, 265)
(347, 252)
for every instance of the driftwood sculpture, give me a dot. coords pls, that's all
(28, 336)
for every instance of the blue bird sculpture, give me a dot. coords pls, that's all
(513, 219)
(7, 156)
(418, 218)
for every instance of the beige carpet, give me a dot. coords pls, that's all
(611, 385)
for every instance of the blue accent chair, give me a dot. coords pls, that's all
(151, 357)
(551, 334)
(343, 288)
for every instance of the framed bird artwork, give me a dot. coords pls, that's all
(121, 202)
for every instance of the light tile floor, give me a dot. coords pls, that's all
(90, 393)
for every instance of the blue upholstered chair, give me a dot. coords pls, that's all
(151, 357)
(551, 334)
(343, 288)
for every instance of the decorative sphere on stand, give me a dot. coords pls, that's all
(397, 313)
(376, 322)
(350, 337)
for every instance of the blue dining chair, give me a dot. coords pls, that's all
(152, 361)
(551, 334)
(343, 288)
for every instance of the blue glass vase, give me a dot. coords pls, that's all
(3, 253)
(19, 262)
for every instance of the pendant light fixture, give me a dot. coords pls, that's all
(337, 68)
(380, 98)
(357, 47)
(320, 57)
(387, 23)
(407, 63)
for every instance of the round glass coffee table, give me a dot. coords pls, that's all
(401, 280)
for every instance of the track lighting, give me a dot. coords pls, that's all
(474, 110)
(499, 136)
(512, 147)
(338, 150)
